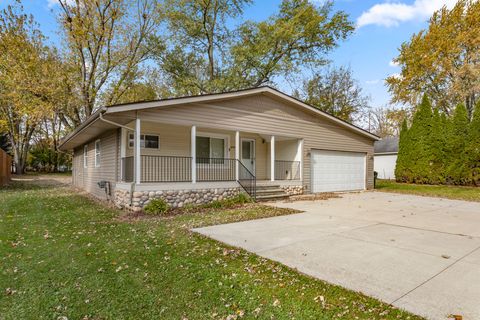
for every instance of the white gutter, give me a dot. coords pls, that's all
(112, 123)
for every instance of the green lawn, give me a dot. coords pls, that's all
(449, 192)
(63, 255)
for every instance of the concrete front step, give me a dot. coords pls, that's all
(269, 191)
(266, 187)
(272, 197)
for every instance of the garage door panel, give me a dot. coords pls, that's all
(337, 171)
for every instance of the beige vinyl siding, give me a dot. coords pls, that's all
(173, 140)
(77, 167)
(286, 150)
(87, 178)
(266, 116)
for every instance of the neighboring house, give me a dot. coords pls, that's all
(201, 148)
(386, 151)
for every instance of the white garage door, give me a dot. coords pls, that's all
(337, 171)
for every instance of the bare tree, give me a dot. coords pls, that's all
(337, 92)
(387, 121)
(106, 41)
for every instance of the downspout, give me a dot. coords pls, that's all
(111, 122)
(125, 127)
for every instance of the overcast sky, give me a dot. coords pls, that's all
(382, 26)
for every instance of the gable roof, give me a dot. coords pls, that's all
(143, 105)
(386, 145)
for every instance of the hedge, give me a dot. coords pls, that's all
(437, 149)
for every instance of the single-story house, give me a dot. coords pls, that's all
(386, 151)
(201, 148)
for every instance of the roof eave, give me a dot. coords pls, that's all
(95, 116)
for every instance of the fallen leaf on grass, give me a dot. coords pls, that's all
(320, 299)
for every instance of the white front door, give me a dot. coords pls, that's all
(248, 154)
(337, 171)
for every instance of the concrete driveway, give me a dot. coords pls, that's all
(418, 253)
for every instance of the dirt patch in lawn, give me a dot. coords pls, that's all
(314, 196)
(202, 216)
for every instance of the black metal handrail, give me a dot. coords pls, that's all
(179, 169)
(215, 169)
(166, 169)
(247, 180)
(287, 170)
(127, 169)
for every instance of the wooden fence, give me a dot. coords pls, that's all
(5, 168)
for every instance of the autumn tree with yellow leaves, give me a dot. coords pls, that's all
(29, 86)
(442, 61)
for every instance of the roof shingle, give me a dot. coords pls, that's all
(387, 145)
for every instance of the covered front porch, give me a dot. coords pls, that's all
(157, 155)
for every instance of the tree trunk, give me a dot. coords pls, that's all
(470, 104)
(19, 161)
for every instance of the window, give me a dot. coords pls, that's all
(97, 153)
(147, 141)
(210, 147)
(85, 156)
(151, 142)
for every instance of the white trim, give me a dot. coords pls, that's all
(272, 158)
(123, 151)
(300, 157)
(237, 155)
(193, 143)
(365, 170)
(137, 155)
(85, 156)
(98, 152)
(123, 144)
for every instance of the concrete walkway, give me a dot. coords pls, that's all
(418, 253)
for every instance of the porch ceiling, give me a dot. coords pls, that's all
(278, 138)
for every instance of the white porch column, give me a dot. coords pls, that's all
(123, 134)
(194, 153)
(272, 158)
(237, 155)
(300, 157)
(138, 159)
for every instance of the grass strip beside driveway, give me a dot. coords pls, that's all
(64, 255)
(440, 191)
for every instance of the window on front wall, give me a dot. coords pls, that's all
(147, 141)
(209, 148)
(97, 153)
(85, 156)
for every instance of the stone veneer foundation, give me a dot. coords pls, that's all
(175, 198)
(293, 190)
